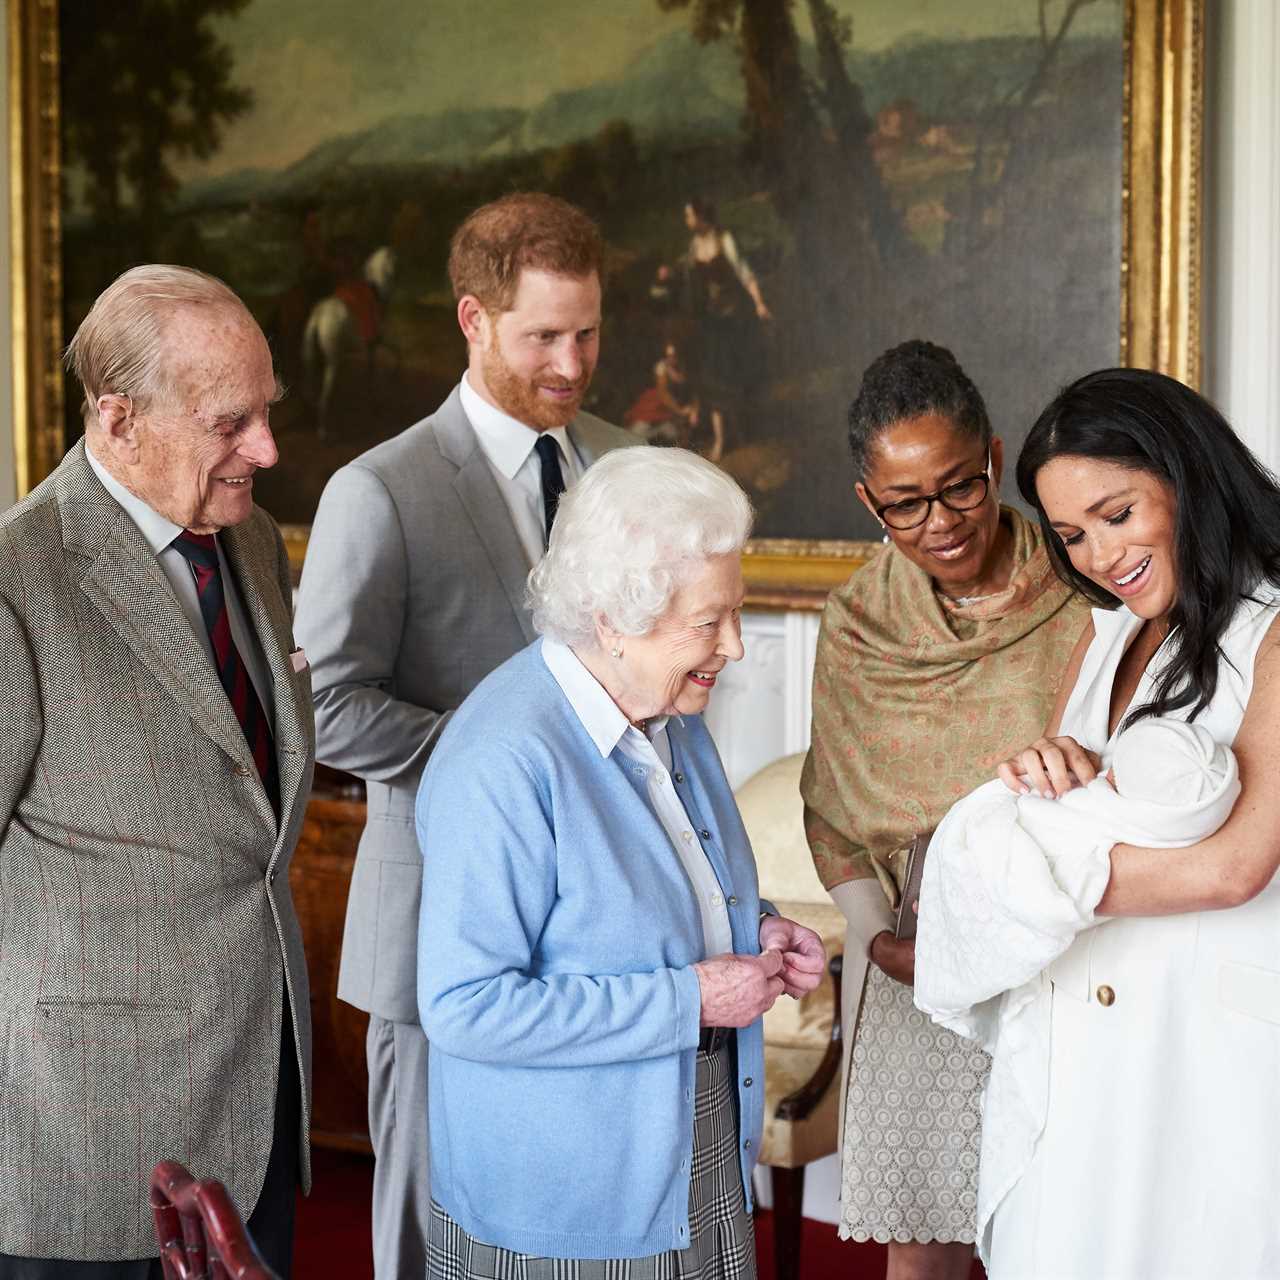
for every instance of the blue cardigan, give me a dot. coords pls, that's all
(555, 946)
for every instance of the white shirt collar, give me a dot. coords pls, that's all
(158, 531)
(600, 715)
(506, 441)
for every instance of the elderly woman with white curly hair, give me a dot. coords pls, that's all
(593, 957)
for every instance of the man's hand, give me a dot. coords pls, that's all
(896, 956)
(803, 955)
(736, 990)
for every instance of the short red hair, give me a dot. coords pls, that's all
(526, 229)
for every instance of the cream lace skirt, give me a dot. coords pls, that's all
(909, 1169)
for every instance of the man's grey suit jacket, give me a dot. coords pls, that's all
(147, 934)
(413, 591)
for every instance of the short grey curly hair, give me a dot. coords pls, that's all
(627, 535)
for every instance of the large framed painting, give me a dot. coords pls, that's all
(787, 187)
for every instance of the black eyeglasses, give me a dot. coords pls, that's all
(962, 495)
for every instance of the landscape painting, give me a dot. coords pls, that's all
(786, 187)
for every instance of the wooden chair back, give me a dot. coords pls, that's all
(199, 1230)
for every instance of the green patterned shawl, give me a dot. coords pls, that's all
(915, 701)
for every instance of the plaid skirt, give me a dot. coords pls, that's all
(723, 1240)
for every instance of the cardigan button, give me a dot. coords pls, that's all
(733, 902)
(1106, 996)
(679, 777)
(747, 1145)
(747, 1083)
(705, 834)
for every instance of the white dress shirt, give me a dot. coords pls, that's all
(508, 448)
(650, 758)
(159, 532)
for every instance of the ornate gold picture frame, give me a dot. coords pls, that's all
(1159, 287)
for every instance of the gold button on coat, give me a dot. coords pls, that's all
(1106, 997)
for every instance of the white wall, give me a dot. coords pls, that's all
(1242, 246)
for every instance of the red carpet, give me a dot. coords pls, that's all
(333, 1232)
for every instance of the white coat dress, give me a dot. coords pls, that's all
(1160, 1155)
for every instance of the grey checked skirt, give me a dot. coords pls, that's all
(723, 1241)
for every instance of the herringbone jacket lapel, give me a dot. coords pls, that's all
(125, 582)
(251, 556)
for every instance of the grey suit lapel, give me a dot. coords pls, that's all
(591, 438)
(480, 496)
(250, 557)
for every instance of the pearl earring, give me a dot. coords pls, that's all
(615, 652)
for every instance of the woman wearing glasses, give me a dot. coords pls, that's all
(934, 661)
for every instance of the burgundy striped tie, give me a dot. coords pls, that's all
(201, 551)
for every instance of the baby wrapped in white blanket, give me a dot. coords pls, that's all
(1009, 883)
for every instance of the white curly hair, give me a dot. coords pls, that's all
(625, 538)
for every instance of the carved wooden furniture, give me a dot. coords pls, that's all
(320, 875)
(199, 1231)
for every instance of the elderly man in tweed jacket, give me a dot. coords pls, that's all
(156, 756)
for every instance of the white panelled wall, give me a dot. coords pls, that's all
(1242, 241)
(760, 708)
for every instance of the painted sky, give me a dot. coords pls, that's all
(380, 58)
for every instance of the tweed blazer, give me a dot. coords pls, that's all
(413, 591)
(147, 934)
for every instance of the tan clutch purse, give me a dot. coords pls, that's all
(906, 925)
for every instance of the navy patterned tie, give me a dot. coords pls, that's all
(202, 552)
(552, 477)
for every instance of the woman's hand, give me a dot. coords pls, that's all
(1050, 766)
(896, 956)
(736, 990)
(803, 955)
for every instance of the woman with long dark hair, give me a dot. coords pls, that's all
(1160, 1151)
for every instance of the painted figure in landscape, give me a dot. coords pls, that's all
(347, 325)
(666, 411)
(727, 308)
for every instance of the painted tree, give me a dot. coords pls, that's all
(1003, 129)
(143, 84)
(809, 137)
(851, 127)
